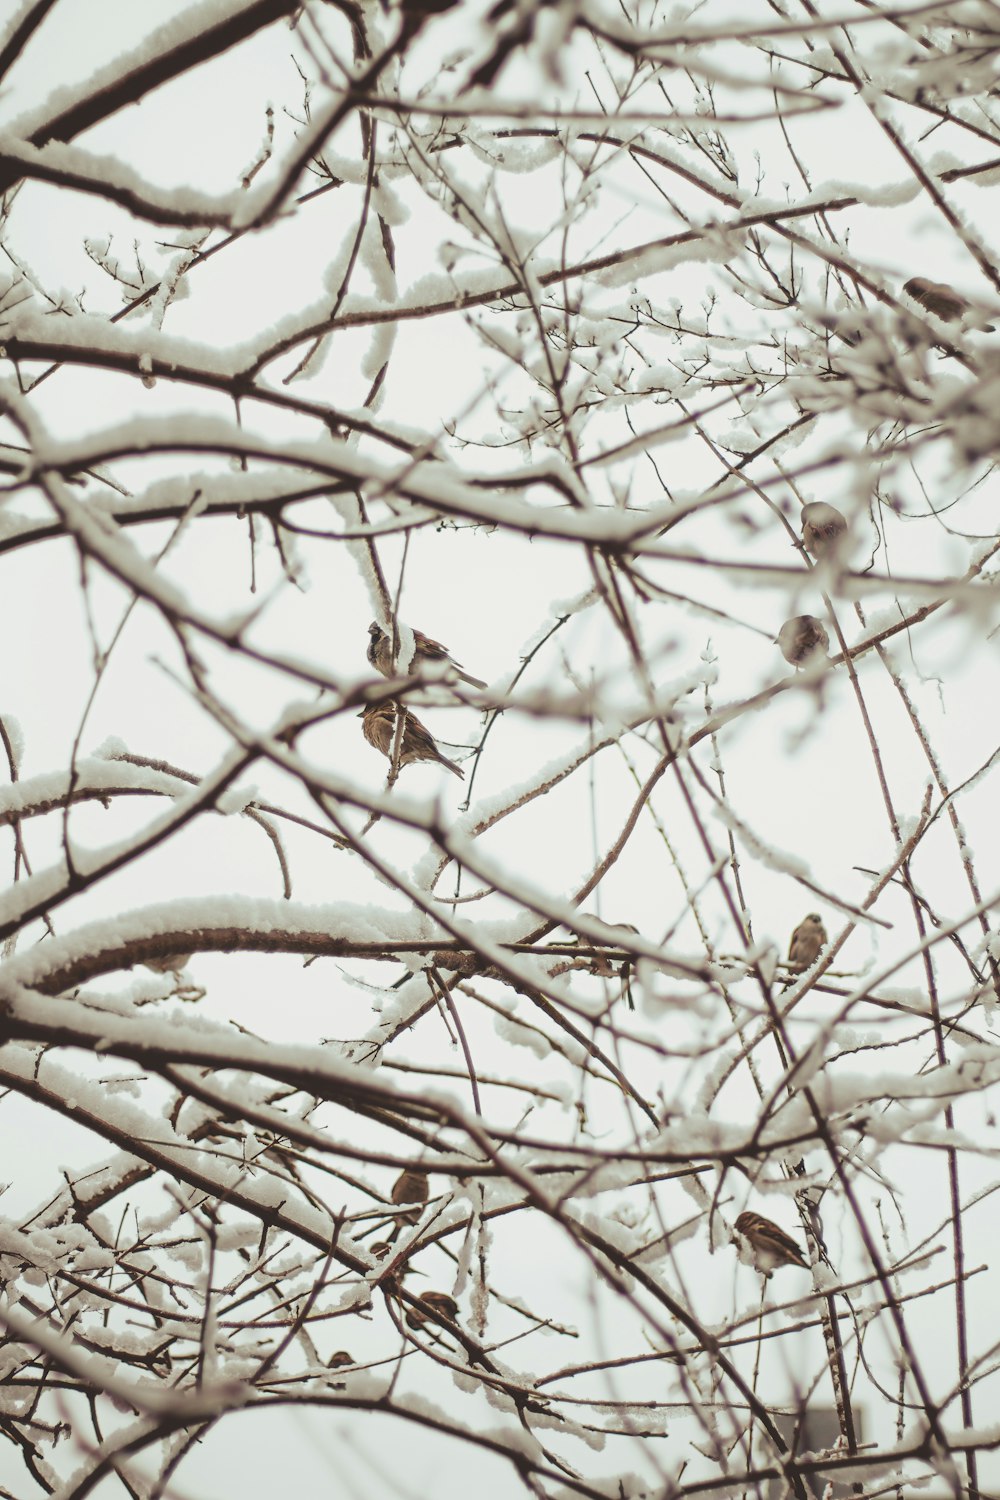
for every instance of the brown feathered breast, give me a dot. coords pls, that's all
(411, 1187)
(823, 527)
(378, 723)
(802, 638)
(808, 940)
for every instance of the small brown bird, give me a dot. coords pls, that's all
(808, 940)
(341, 1358)
(602, 966)
(803, 639)
(170, 963)
(410, 1187)
(378, 721)
(771, 1246)
(381, 1250)
(944, 302)
(823, 528)
(425, 653)
(434, 1302)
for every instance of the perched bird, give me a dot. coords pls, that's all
(391, 1278)
(944, 302)
(602, 966)
(823, 528)
(378, 722)
(808, 939)
(802, 639)
(381, 1250)
(771, 1246)
(170, 963)
(340, 1358)
(410, 1187)
(425, 653)
(434, 1302)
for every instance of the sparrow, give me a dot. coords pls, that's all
(170, 963)
(771, 1246)
(410, 1187)
(425, 653)
(378, 721)
(802, 639)
(808, 939)
(944, 302)
(381, 1250)
(601, 966)
(823, 527)
(434, 1302)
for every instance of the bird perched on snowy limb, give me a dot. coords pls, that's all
(808, 941)
(602, 967)
(823, 529)
(410, 1187)
(426, 653)
(771, 1246)
(803, 639)
(391, 1279)
(944, 302)
(378, 721)
(432, 1303)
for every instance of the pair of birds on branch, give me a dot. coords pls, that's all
(824, 528)
(770, 1244)
(380, 721)
(803, 640)
(772, 1247)
(410, 1192)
